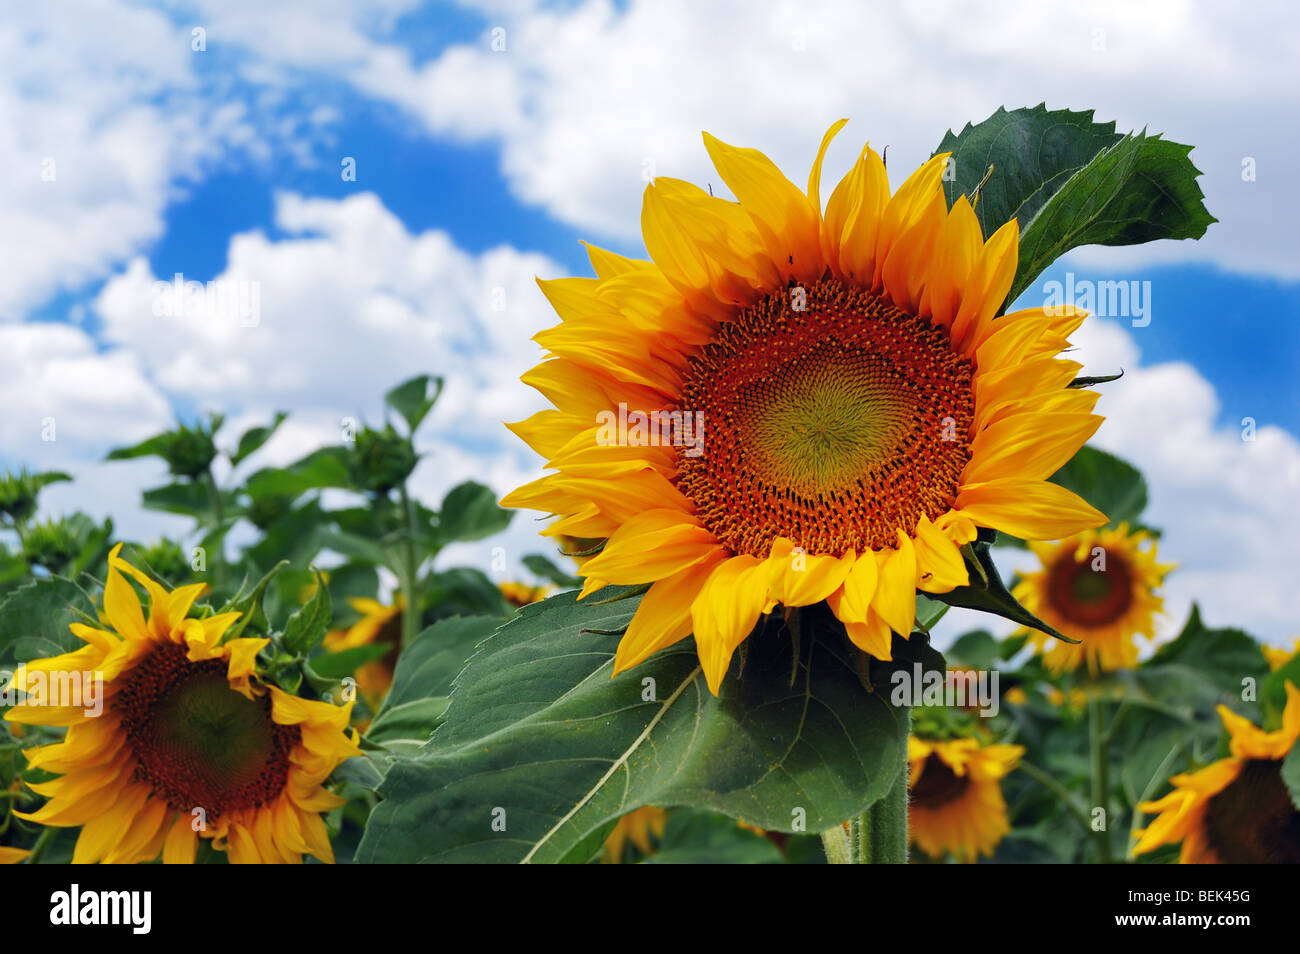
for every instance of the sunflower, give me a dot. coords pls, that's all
(1098, 587)
(643, 827)
(1278, 657)
(955, 791)
(379, 624)
(790, 405)
(187, 744)
(1236, 810)
(12, 856)
(521, 594)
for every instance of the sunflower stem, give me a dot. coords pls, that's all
(43, 842)
(881, 834)
(1100, 775)
(836, 842)
(218, 518)
(410, 612)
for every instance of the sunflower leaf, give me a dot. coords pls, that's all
(34, 619)
(1141, 189)
(253, 439)
(470, 512)
(1070, 182)
(414, 399)
(306, 628)
(540, 747)
(1034, 151)
(988, 593)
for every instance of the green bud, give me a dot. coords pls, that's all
(381, 460)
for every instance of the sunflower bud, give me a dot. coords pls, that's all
(189, 451)
(52, 545)
(18, 493)
(381, 460)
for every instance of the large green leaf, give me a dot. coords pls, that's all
(423, 679)
(1033, 152)
(470, 512)
(428, 666)
(1141, 189)
(326, 467)
(539, 737)
(34, 619)
(1225, 657)
(1070, 182)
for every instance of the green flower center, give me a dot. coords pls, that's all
(198, 743)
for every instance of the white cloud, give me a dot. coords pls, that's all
(586, 99)
(102, 119)
(351, 303)
(1225, 505)
(349, 282)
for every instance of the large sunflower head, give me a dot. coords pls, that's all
(1099, 587)
(789, 405)
(955, 795)
(1237, 810)
(187, 742)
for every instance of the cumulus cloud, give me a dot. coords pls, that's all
(349, 303)
(588, 99)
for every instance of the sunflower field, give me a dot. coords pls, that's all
(777, 450)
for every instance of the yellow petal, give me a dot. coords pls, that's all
(1029, 509)
(725, 611)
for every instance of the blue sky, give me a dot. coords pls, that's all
(479, 168)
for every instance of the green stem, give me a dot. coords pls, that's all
(218, 517)
(836, 842)
(881, 831)
(42, 843)
(1100, 775)
(1068, 798)
(410, 569)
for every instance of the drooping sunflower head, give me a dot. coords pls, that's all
(794, 405)
(182, 741)
(1100, 587)
(955, 795)
(1237, 810)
